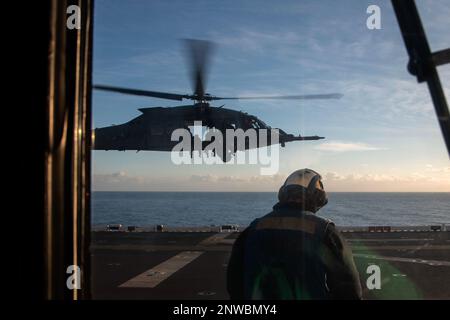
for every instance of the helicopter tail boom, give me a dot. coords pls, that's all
(291, 137)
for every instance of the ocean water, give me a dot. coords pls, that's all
(216, 208)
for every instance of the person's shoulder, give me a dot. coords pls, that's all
(257, 220)
(329, 231)
(252, 225)
(332, 237)
(323, 218)
(327, 223)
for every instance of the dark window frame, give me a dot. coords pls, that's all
(68, 151)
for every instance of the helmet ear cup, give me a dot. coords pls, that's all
(319, 199)
(293, 194)
(282, 196)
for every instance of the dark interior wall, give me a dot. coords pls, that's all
(52, 204)
(33, 77)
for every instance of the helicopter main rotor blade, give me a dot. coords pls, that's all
(296, 97)
(145, 93)
(199, 52)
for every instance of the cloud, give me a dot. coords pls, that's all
(429, 178)
(203, 178)
(333, 176)
(120, 181)
(120, 178)
(254, 40)
(337, 146)
(431, 168)
(383, 182)
(381, 177)
(249, 181)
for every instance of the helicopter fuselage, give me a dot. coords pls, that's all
(152, 130)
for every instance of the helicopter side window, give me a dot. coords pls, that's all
(255, 124)
(252, 123)
(263, 125)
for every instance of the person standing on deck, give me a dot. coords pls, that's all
(291, 253)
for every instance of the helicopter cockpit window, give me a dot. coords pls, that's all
(335, 83)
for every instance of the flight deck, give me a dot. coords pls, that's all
(191, 263)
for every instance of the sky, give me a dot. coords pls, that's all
(382, 135)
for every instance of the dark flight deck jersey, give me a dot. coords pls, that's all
(292, 254)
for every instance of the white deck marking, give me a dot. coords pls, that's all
(400, 259)
(151, 278)
(387, 239)
(214, 239)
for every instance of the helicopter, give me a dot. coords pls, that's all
(152, 130)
